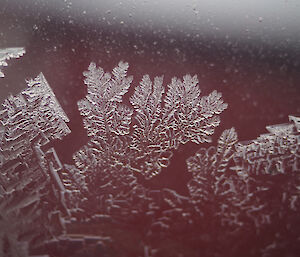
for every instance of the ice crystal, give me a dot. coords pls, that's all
(211, 182)
(125, 140)
(239, 191)
(262, 163)
(191, 117)
(29, 178)
(8, 53)
(149, 139)
(159, 123)
(34, 115)
(272, 153)
(102, 86)
(105, 118)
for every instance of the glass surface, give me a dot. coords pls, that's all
(149, 128)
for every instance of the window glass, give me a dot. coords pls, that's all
(149, 128)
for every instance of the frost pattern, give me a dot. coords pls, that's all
(192, 118)
(237, 190)
(159, 123)
(162, 124)
(8, 53)
(33, 116)
(208, 167)
(272, 153)
(103, 160)
(263, 162)
(212, 183)
(248, 186)
(31, 191)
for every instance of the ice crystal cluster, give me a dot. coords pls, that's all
(271, 153)
(270, 167)
(141, 137)
(211, 181)
(8, 53)
(239, 188)
(30, 190)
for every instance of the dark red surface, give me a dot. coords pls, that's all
(260, 82)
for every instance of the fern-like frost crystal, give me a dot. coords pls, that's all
(160, 123)
(208, 167)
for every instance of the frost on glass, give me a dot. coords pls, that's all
(7, 53)
(162, 123)
(31, 191)
(140, 138)
(237, 190)
(271, 153)
(212, 181)
(262, 163)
